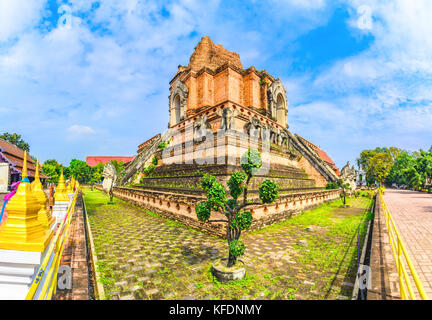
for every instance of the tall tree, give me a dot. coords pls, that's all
(52, 168)
(379, 166)
(80, 170)
(364, 161)
(16, 139)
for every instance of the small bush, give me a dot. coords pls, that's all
(268, 191)
(149, 169)
(332, 185)
(237, 248)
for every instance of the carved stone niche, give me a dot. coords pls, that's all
(278, 103)
(178, 101)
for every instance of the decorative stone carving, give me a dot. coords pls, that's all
(278, 110)
(182, 91)
(273, 133)
(201, 126)
(284, 138)
(228, 115)
(110, 176)
(253, 127)
(348, 175)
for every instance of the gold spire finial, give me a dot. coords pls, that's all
(37, 170)
(24, 170)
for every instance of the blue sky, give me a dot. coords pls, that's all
(358, 74)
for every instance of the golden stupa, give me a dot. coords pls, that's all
(60, 190)
(70, 188)
(22, 230)
(44, 216)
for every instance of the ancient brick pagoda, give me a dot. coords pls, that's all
(218, 110)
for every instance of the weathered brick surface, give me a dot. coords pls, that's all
(313, 173)
(75, 256)
(208, 54)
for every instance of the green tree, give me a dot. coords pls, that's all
(379, 166)
(344, 188)
(119, 165)
(97, 173)
(52, 169)
(49, 168)
(80, 170)
(365, 161)
(16, 139)
(237, 219)
(424, 166)
(399, 172)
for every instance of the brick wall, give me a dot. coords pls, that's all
(312, 172)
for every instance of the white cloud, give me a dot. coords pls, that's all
(379, 97)
(80, 130)
(112, 68)
(18, 15)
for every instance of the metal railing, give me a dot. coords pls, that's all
(44, 284)
(400, 254)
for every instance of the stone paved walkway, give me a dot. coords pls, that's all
(412, 213)
(144, 256)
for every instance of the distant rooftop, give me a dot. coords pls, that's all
(13, 155)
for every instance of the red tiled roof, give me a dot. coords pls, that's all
(93, 161)
(15, 156)
(322, 154)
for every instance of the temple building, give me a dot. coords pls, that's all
(217, 111)
(11, 165)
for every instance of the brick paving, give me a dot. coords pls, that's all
(144, 256)
(385, 280)
(74, 256)
(412, 213)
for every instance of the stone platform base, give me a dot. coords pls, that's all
(181, 207)
(17, 269)
(59, 210)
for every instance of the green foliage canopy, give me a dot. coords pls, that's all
(16, 139)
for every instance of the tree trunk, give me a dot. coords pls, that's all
(111, 194)
(231, 260)
(232, 234)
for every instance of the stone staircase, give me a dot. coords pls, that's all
(140, 159)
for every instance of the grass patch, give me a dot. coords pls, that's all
(180, 257)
